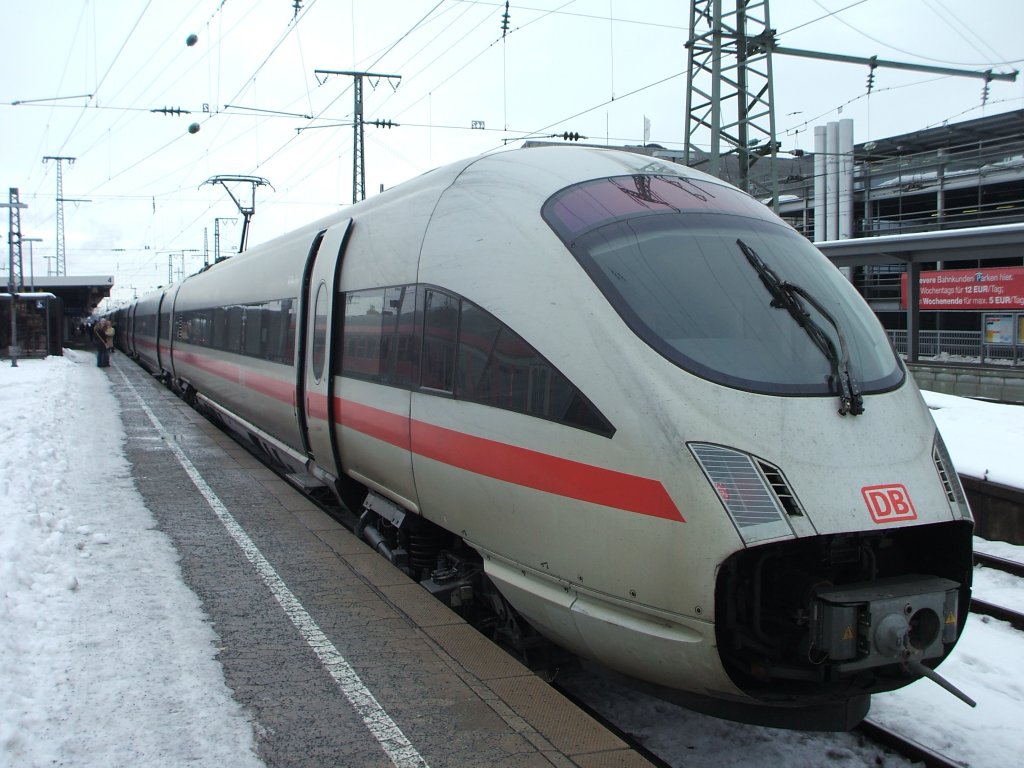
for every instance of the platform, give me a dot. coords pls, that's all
(338, 656)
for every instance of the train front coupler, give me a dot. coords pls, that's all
(903, 620)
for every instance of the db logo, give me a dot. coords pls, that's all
(888, 503)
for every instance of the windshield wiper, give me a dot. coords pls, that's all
(789, 296)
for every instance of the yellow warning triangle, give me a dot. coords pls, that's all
(848, 634)
(951, 618)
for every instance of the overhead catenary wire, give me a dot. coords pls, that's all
(986, 60)
(965, 32)
(430, 73)
(283, 147)
(148, 156)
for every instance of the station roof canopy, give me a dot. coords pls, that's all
(949, 245)
(81, 295)
(994, 128)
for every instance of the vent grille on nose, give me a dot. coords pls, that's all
(950, 481)
(738, 484)
(749, 497)
(943, 475)
(777, 482)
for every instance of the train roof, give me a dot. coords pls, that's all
(540, 169)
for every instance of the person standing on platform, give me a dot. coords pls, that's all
(103, 333)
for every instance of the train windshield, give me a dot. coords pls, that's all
(673, 256)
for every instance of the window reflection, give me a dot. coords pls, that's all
(466, 352)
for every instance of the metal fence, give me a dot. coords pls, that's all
(956, 346)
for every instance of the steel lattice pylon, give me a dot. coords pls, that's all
(358, 163)
(358, 158)
(729, 101)
(15, 280)
(61, 262)
(729, 91)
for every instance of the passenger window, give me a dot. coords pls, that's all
(440, 326)
(498, 367)
(319, 351)
(476, 343)
(407, 350)
(255, 335)
(233, 341)
(361, 338)
(461, 349)
(275, 329)
(288, 310)
(390, 307)
(220, 327)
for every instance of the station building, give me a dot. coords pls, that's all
(956, 177)
(50, 314)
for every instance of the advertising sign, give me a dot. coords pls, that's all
(994, 288)
(999, 329)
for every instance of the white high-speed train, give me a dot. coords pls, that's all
(615, 394)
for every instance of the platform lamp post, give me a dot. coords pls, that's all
(14, 233)
(31, 260)
(32, 281)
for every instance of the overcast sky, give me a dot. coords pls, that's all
(88, 74)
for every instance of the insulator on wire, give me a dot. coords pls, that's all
(171, 111)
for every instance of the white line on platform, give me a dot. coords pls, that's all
(387, 733)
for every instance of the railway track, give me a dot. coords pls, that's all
(910, 749)
(903, 746)
(877, 742)
(999, 563)
(985, 608)
(998, 509)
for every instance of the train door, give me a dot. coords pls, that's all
(161, 333)
(380, 363)
(316, 347)
(129, 331)
(133, 342)
(166, 331)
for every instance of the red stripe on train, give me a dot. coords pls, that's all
(283, 391)
(512, 464)
(508, 463)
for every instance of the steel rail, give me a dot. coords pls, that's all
(905, 747)
(984, 608)
(999, 563)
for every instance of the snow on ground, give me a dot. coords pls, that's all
(106, 658)
(984, 439)
(984, 665)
